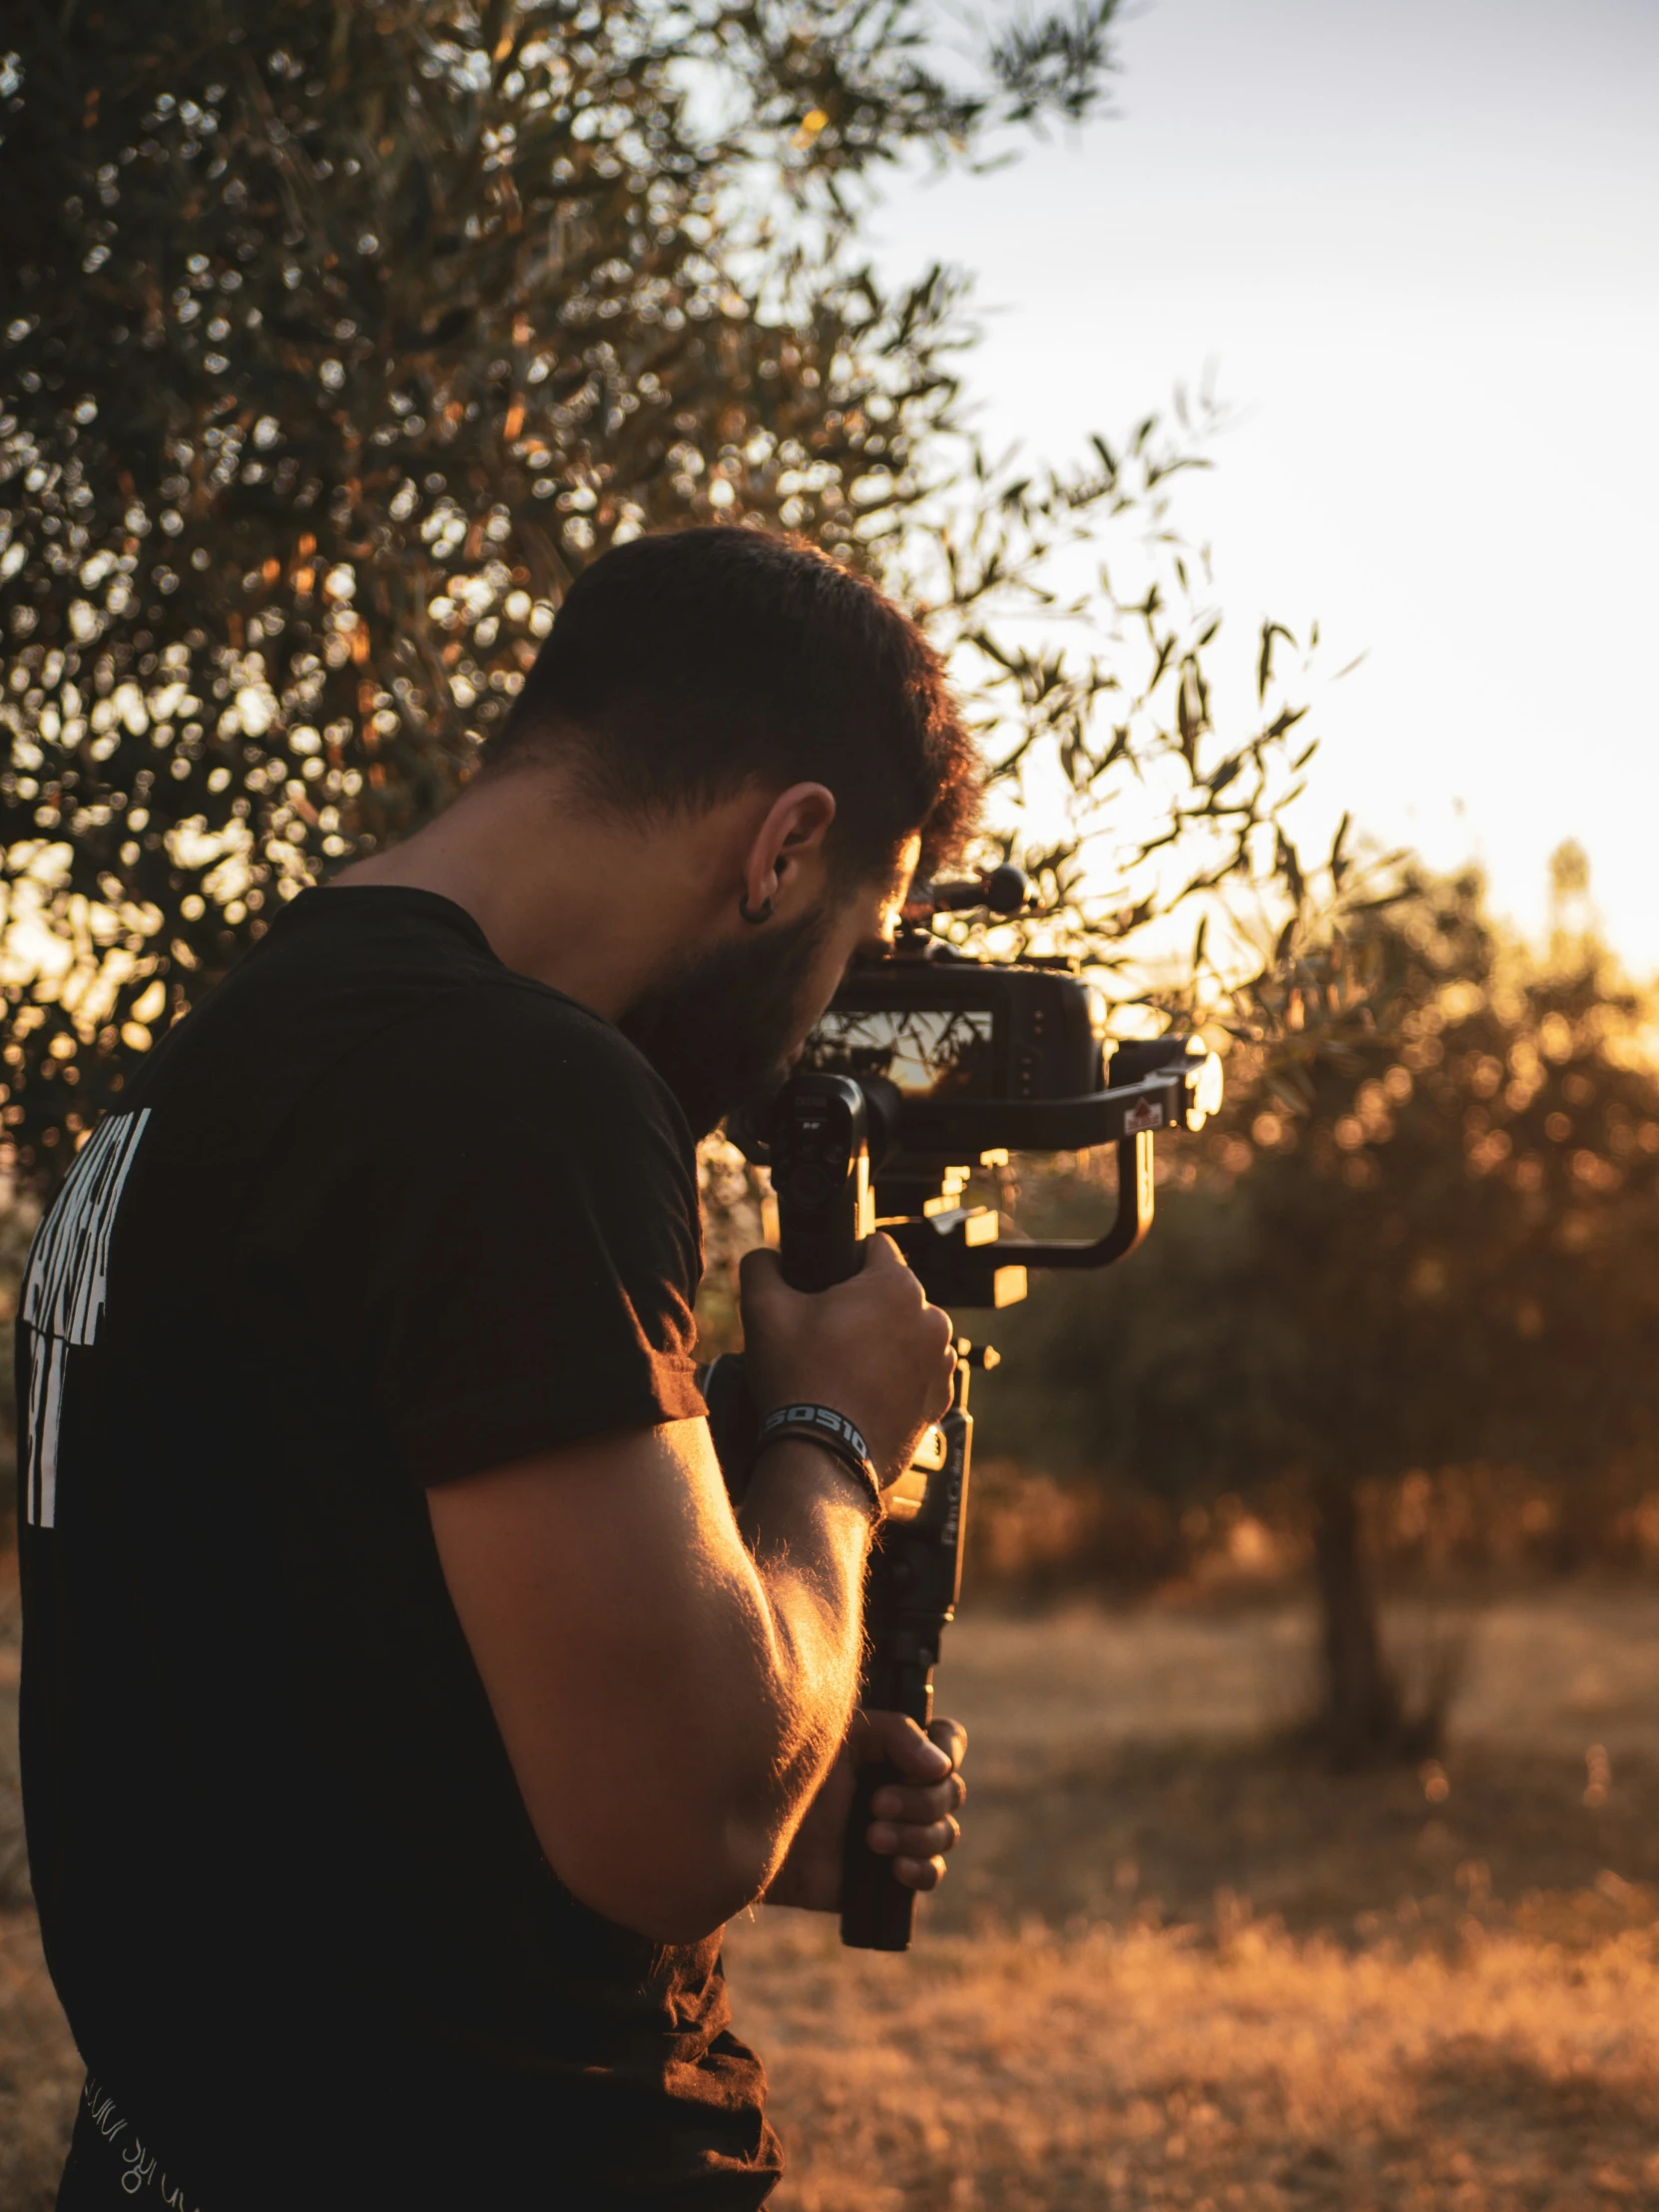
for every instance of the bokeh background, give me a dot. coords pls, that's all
(1251, 395)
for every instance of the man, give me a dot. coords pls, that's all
(404, 1708)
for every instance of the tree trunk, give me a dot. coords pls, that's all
(1364, 1718)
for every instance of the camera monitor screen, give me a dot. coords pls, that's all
(926, 1052)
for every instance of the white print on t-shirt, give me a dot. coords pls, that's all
(64, 1293)
(139, 2167)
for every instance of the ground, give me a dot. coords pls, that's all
(1177, 1965)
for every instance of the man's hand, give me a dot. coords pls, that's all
(871, 1347)
(914, 1820)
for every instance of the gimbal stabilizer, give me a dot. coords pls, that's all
(927, 1064)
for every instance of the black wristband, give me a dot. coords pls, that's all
(823, 1425)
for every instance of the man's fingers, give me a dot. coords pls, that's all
(909, 1840)
(880, 1251)
(909, 1801)
(914, 1825)
(760, 1275)
(951, 1738)
(895, 1738)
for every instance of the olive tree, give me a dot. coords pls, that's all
(335, 337)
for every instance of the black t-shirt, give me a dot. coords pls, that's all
(380, 1214)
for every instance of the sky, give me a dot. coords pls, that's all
(1417, 246)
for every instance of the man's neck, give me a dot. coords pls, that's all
(600, 909)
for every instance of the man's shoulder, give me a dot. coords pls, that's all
(499, 1081)
(402, 1020)
(512, 1037)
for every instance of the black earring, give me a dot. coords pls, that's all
(763, 913)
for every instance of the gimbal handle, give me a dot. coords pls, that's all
(821, 1177)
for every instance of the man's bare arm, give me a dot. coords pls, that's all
(670, 1700)
(672, 1690)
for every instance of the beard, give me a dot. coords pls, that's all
(723, 1031)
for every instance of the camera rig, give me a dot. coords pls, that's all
(929, 1064)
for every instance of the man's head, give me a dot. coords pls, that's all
(684, 666)
(722, 673)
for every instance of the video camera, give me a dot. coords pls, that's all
(958, 1062)
(929, 1064)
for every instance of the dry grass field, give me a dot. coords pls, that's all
(1176, 1966)
(1181, 1967)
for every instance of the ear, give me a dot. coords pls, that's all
(784, 865)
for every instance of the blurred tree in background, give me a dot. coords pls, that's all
(1450, 1260)
(337, 336)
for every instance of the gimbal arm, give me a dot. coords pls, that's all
(958, 1272)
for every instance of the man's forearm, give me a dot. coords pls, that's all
(808, 1529)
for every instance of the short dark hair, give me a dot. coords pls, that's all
(683, 666)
